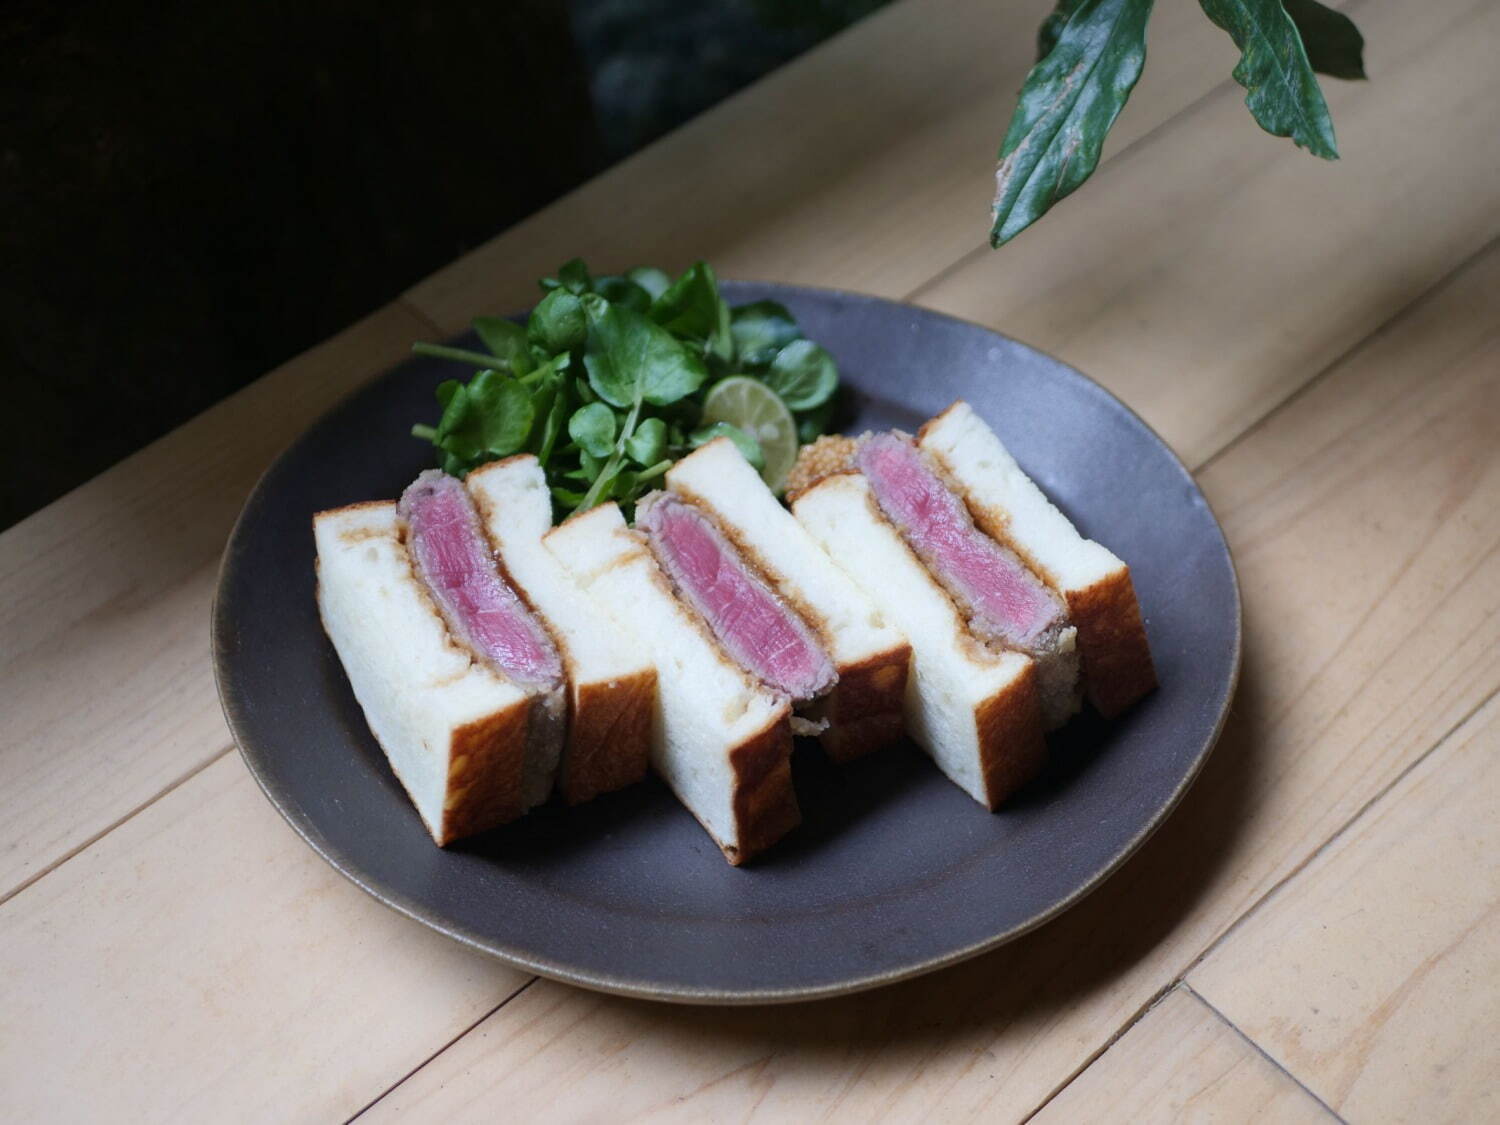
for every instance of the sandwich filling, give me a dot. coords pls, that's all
(1004, 601)
(452, 557)
(755, 628)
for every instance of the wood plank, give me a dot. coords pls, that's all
(1370, 501)
(1371, 975)
(867, 164)
(202, 963)
(106, 690)
(1205, 274)
(1181, 1062)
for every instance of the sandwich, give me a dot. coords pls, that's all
(721, 738)
(611, 686)
(461, 684)
(860, 709)
(1092, 582)
(991, 572)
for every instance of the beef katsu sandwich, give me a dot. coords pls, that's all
(1011, 614)
(469, 664)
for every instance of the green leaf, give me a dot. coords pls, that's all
(648, 443)
(814, 424)
(593, 428)
(566, 498)
(1046, 36)
(551, 401)
(1334, 45)
(747, 445)
(489, 418)
(622, 291)
(1068, 104)
(630, 359)
(803, 375)
(692, 307)
(760, 330)
(557, 324)
(654, 281)
(590, 464)
(506, 340)
(1282, 92)
(573, 275)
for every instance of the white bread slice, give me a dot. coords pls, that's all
(611, 684)
(975, 711)
(455, 733)
(1007, 505)
(720, 740)
(871, 656)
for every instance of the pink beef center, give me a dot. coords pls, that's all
(997, 586)
(453, 558)
(765, 637)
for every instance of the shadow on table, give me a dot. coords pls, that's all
(1070, 961)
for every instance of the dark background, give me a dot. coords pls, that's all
(191, 194)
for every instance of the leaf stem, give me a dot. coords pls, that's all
(612, 466)
(426, 433)
(462, 355)
(654, 471)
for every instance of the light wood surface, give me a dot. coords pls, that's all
(1182, 1062)
(1321, 341)
(1372, 975)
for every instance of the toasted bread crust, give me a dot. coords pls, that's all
(609, 736)
(866, 708)
(1011, 746)
(1117, 667)
(765, 804)
(486, 763)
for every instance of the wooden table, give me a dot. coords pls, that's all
(1315, 932)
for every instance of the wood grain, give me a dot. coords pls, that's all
(867, 164)
(1203, 279)
(106, 690)
(1181, 1062)
(1372, 975)
(201, 963)
(1370, 501)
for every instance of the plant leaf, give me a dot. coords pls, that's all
(1068, 104)
(557, 324)
(1334, 45)
(1046, 35)
(814, 424)
(506, 341)
(760, 330)
(623, 291)
(593, 428)
(803, 375)
(1281, 91)
(629, 358)
(649, 442)
(692, 307)
(654, 281)
(574, 277)
(489, 418)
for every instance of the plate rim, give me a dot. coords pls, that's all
(621, 985)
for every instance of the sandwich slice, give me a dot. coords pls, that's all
(611, 685)
(976, 711)
(721, 740)
(1093, 583)
(862, 706)
(460, 684)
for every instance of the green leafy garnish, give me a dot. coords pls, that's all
(606, 381)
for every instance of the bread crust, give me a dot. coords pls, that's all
(491, 753)
(1117, 665)
(1112, 645)
(609, 735)
(764, 802)
(1011, 746)
(866, 709)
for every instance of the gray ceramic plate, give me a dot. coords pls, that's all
(894, 871)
